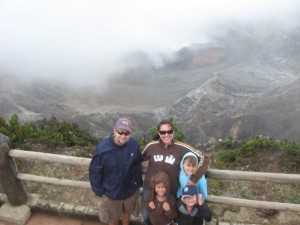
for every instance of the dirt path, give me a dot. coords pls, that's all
(44, 219)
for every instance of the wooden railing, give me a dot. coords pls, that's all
(211, 173)
(11, 179)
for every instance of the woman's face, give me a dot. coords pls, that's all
(166, 133)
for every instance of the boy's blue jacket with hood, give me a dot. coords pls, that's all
(116, 171)
(201, 184)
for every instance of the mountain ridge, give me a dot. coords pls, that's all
(241, 85)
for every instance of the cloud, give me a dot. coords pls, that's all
(84, 41)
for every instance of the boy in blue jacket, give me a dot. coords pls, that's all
(115, 174)
(188, 166)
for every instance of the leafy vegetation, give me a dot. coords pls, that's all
(52, 133)
(259, 154)
(233, 153)
(55, 133)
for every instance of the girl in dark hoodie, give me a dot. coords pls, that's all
(159, 203)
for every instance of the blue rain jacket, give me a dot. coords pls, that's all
(116, 171)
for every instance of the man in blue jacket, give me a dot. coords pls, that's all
(116, 174)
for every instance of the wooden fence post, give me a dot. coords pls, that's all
(12, 187)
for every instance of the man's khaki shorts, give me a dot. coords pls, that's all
(110, 210)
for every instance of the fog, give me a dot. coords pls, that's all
(85, 42)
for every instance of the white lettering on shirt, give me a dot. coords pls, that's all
(158, 158)
(170, 159)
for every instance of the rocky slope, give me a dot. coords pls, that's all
(243, 84)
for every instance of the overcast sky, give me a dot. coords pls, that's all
(84, 40)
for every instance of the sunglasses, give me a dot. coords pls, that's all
(163, 132)
(121, 133)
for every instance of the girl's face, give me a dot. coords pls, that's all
(160, 189)
(188, 168)
(166, 133)
(190, 201)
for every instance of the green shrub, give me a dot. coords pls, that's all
(256, 144)
(51, 132)
(227, 155)
(252, 149)
(3, 126)
(227, 144)
(291, 149)
(246, 148)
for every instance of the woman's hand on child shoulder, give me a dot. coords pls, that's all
(191, 183)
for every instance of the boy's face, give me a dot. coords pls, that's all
(160, 189)
(188, 168)
(190, 201)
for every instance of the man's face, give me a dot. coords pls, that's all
(121, 136)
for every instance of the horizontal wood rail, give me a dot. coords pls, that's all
(49, 157)
(253, 203)
(52, 180)
(280, 178)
